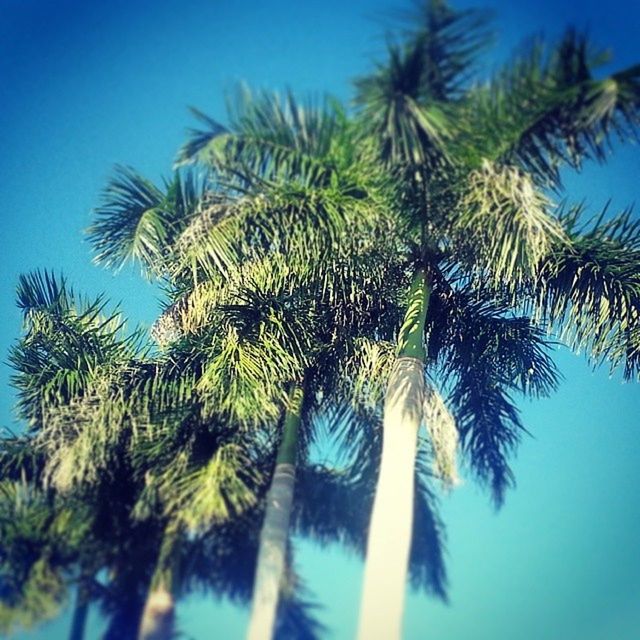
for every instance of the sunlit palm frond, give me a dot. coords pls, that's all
(66, 347)
(443, 434)
(209, 243)
(305, 223)
(80, 437)
(370, 371)
(504, 225)
(269, 138)
(201, 495)
(245, 380)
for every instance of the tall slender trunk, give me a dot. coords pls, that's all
(80, 611)
(275, 528)
(158, 616)
(389, 540)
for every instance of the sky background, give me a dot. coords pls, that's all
(85, 85)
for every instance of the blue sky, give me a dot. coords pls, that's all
(84, 85)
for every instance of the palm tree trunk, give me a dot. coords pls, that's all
(158, 616)
(389, 540)
(270, 564)
(80, 611)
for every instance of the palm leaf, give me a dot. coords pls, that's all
(589, 289)
(548, 109)
(138, 221)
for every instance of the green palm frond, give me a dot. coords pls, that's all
(203, 144)
(466, 326)
(66, 346)
(484, 354)
(490, 428)
(369, 372)
(548, 109)
(302, 222)
(588, 288)
(43, 291)
(269, 137)
(138, 221)
(443, 434)
(451, 40)
(245, 380)
(427, 568)
(80, 438)
(209, 243)
(19, 458)
(191, 312)
(392, 112)
(198, 496)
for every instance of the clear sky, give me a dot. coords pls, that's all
(86, 84)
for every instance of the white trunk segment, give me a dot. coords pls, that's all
(389, 542)
(272, 554)
(158, 617)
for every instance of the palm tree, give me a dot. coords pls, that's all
(102, 415)
(282, 329)
(473, 165)
(128, 552)
(62, 364)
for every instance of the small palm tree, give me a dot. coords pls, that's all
(100, 414)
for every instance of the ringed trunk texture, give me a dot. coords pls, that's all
(389, 540)
(80, 611)
(158, 617)
(274, 534)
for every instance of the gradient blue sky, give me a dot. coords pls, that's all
(84, 85)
